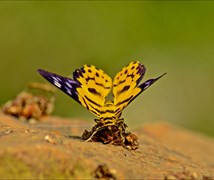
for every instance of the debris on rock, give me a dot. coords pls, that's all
(102, 171)
(49, 139)
(54, 138)
(186, 174)
(29, 106)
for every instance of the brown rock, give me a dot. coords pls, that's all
(53, 148)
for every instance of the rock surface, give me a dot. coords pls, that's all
(53, 148)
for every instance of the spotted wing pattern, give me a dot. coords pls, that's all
(126, 85)
(95, 86)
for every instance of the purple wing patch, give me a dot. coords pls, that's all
(149, 82)
(65, 84)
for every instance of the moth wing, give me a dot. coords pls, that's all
(95, 86)
(126, 84)
(95, 83)
(65, 84)
(83, 88)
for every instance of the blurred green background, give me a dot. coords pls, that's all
(174, 37)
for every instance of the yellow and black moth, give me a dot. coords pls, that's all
(90, 86)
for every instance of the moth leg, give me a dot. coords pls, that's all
(87, 140)
(95, 131)
(122, 124)
(110, 125)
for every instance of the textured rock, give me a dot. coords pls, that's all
(53, 148)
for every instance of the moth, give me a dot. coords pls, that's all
(90, 86)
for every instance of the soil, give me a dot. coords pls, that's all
(53, 148)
